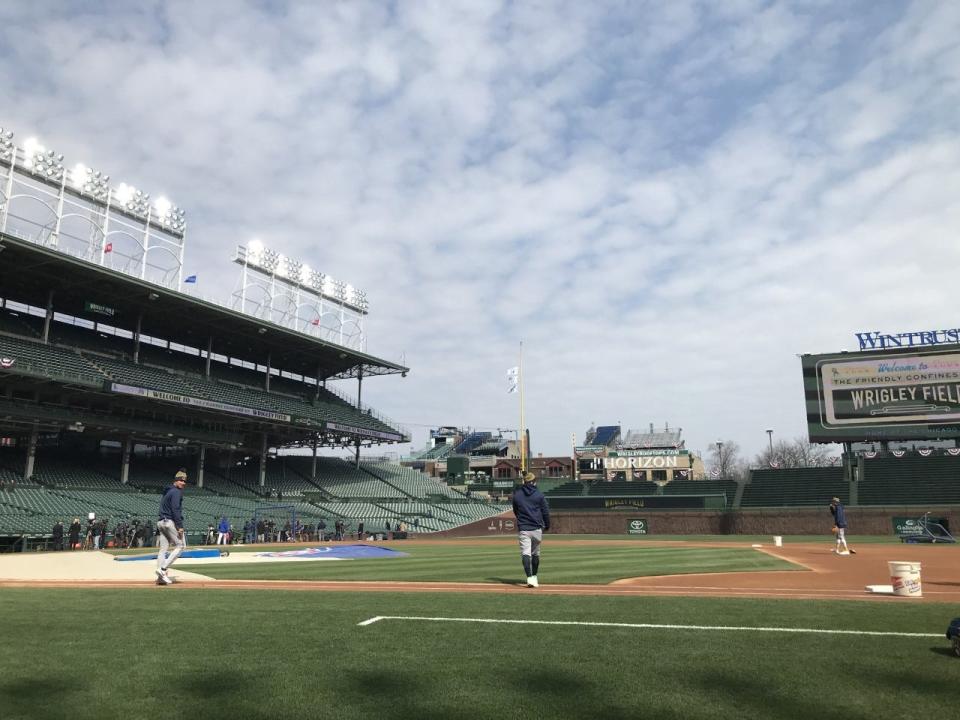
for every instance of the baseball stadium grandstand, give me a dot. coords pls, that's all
(112, 378)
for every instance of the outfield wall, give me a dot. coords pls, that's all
(768, 521)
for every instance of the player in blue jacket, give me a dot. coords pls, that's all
(533, 517)
(840, 527)
(170, 527)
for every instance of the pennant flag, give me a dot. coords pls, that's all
(315, 321)
(513, 378)
(190, 279)
(108, 247)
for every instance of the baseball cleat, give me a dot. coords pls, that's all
(532, 582)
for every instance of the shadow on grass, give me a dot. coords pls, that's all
(217, 684)
(400, 693)
(944, 651)
(571, 691)
(38, 697)
(759, 698)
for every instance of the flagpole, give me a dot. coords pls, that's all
(523, 434)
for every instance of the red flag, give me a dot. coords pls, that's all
(108, 247)
(315, 321)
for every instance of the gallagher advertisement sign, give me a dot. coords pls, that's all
(892, 395)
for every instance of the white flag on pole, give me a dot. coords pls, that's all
(513, 378)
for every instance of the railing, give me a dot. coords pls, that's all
(363, 407)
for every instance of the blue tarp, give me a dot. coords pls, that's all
(340, 552)
(344, 552)
(185, 554)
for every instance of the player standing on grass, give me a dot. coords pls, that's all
(170, 527)
(840, 527)
(533, 517)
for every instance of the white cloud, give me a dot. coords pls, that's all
(664, 202)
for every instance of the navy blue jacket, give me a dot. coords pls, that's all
(839, 516)
(530, 508)
(171, 506)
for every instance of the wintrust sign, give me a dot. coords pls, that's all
(876, 340)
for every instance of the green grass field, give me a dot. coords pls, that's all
(500, 563)
(197, 653)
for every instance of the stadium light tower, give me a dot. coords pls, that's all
(76, 211)
(289, 292)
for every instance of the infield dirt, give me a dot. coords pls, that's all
(828, 576)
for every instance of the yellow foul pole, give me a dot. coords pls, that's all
(523, 434)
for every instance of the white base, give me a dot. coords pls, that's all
(880, 589)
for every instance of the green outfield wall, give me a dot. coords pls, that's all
(766, 521)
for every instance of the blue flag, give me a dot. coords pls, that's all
(191, 279)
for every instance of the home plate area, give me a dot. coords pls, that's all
(338, 552)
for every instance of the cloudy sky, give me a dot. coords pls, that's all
(665, 201)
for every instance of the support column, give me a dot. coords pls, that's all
(48, 318)
(263, 461)
(266, 384)
(358, 453)
(201, 459)
(209, 354)
(31, 453)
(313, 464)
(316, 395)
(125, 461)
(136, 339)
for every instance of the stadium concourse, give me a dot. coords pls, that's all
(109, 383)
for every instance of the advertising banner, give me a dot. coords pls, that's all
(887, 395)
(913, 527)
(352, 430)
(655, 502)
(637, 527)
(198, 402)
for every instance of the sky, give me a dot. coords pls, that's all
(665, 203)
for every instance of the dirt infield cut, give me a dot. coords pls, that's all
(829, 577)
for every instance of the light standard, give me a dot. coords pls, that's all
(770, 438)
(720, 458)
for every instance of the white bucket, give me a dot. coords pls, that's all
(905, 577)
(778, 540)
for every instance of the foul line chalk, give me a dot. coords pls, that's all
(651, 626)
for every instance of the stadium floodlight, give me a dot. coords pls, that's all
(290, 268)
(168, 215)
(268, 260)
(90, 181)
(132, 200)
(331, 288)
(254, 250)
(305, 274)
(299, 274)
(6, 144)
(40, 161)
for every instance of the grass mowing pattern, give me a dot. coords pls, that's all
(561, 564)
(157, 653)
